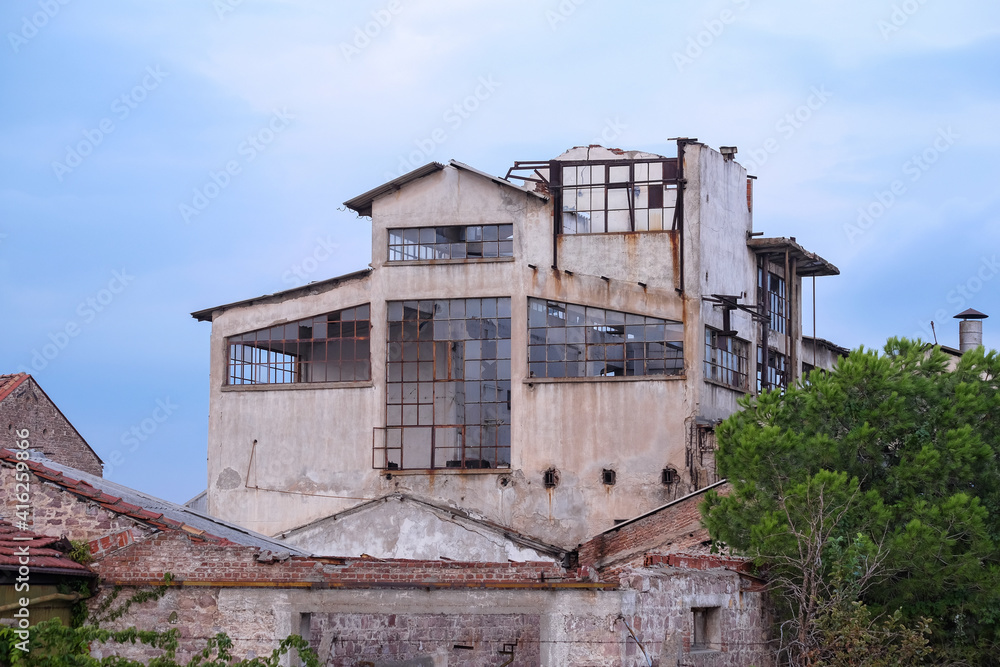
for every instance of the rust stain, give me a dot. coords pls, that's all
(675, 254)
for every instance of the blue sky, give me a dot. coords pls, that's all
(158, 158)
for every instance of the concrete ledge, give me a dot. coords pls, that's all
(298, 386)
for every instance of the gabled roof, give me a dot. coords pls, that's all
(8, 383)
(362, 204)
(451, 514)
(156, 512)
(46, 554)
(807, 263)
(316, 287)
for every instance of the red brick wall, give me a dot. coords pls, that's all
(191, 560)
(50, 432)
(677, 525)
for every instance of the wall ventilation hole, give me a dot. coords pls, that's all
(669, 476)
(608, 477)
(550, 478)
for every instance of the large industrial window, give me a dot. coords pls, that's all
(771, 290)
(618, 197)
(448, 385)
(569, 340)
(726, 359)
(777, 370)
(455, 242)
(333, 347)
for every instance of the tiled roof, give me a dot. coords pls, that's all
(9, 383)
(155, 512)
(45, 553)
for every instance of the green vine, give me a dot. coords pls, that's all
(104, 612)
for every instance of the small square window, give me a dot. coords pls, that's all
(706, 634)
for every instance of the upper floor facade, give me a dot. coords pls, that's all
(550, 356)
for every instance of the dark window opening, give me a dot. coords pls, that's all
(550, 478)
(669, 476)
(608, 477)
(726, 359)
(569, 340)
(454, 242)
(448, 385)
(333, 347)
(771, 292)
(777, 370)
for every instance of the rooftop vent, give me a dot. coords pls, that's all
(970, 329)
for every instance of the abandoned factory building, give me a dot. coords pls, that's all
(544, 354)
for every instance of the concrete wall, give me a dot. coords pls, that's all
(313, 452)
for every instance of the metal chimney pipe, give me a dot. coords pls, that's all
(970, 329)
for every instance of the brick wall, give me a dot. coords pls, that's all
(676, 526)
(27, 406)
(194, 561)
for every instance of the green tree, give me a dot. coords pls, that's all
(876, 483)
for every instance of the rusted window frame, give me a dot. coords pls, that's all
(632, 186)
(259, 357)
(591, 346)
(423, 360)
(777, 299)
(778, 371)
(418, 244)
(716, 357)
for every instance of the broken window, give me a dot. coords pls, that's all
(333, 347)
(726, 359)
(454, 242)
(448, 385)
(771, 292)
(569, 340)
(777, 370)
(617, 196)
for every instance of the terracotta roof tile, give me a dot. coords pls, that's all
(8, 383)
(44, 551)
(105, 500)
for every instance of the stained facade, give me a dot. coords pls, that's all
(549, 351)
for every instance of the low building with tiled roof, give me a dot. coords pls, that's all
(38, 568)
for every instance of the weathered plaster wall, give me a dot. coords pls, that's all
(398, 528)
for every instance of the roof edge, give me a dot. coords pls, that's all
(319, 286)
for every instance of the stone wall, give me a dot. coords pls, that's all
(27, 406)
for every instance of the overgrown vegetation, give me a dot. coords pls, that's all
(871, 497)
(51, 644)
